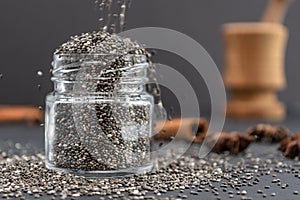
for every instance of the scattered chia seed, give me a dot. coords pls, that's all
(259, 191)
(267, 187)
(24, 174)
(273, 194)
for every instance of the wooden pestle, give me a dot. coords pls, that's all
(276, 11)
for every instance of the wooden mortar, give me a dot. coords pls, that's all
(254, 69)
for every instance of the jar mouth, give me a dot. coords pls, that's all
(93, 54)
(85, 73)
(73, 61)
(129, 72)
(134, 66)
(85, 56)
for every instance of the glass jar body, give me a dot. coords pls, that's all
(99, 134)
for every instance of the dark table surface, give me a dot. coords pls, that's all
(34, 138)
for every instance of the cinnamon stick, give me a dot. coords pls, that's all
(13, 114)
(189, 129)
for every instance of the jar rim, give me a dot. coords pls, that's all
(97, 54)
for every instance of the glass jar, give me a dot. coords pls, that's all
(99, 117)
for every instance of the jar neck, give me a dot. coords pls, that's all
(110, 75)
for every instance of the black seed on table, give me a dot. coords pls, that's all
(194, 192)
(273, 194)
(267, 187)
(230, 192)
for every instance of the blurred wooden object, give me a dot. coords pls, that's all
(14, 114)
(189, 129)
(276, 11)
(254, 65)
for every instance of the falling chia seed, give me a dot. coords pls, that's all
(113, 19)
(39, 73)
(112, 14)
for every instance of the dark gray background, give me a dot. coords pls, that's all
(31, 30)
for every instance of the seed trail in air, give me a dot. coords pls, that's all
(112, 14)
(113, 19)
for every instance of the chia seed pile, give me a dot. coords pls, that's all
(214, 177)
(105, 132)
